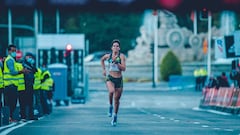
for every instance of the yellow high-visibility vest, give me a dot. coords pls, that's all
(21, 82)
(37, 79)
(9, 79)
(1, 78)
(48, 83)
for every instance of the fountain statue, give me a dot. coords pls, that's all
(169, 34)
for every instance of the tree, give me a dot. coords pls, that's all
(101, 28)
(170, 66)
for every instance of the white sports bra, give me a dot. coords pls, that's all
(113, 66)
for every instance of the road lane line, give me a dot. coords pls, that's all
(211, 111)
(230, 130)
(216, 128)
(205, 126)
(196, 122)
(156, 115)
(5, 132)
(176, 120)
(12, 124)
(172, 119)
(143, 111)
(162, 118)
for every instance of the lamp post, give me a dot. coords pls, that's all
(155, 49)
(209, 43)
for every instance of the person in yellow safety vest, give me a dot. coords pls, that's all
(46, 85)
(203, 74)
(197, 76)
(37, 88)
(10, 80)
(1, 82)
(21, 92)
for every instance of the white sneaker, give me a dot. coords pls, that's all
(114, 121)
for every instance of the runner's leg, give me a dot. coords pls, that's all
(117, 96)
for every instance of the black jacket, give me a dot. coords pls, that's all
(29, 77)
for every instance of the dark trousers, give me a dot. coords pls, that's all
(22, 104)
(26, 103)
(198, 84)
(10, 95)
(1, 97)
(43, 99)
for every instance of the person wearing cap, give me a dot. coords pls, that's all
(28, 63)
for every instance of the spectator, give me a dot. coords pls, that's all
(203, 76)
(212, 82)
(10, 75)
(235, 76)
(197, 76)
(223, 80)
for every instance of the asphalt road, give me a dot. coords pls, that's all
(141, 113)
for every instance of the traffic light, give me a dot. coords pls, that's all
(68, 50)
(67, 54)
(204, 14)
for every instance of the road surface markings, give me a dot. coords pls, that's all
(162, 118)
(10, 125)
(172, 119)
(176, 120)
(230, 130)
(211, 111)
(157, 115)
(196, 122)
(216, 128)
(5, 132)
(205, 126)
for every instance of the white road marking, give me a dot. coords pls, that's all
(157, 115)
(143, 111)
(230, 130)
(5, 132)
(211, 111)
(205, 126)
(172, 119)
(12, 124)
(196, 122)
(176, 120)
(162, 118)
(216, 128)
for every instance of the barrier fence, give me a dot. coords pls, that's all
(223, 99)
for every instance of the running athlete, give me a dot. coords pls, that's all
(114, 80)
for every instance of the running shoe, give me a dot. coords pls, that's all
(110, 111)
(11, 120)
(114, 121)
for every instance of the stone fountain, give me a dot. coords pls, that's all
(169, 34)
